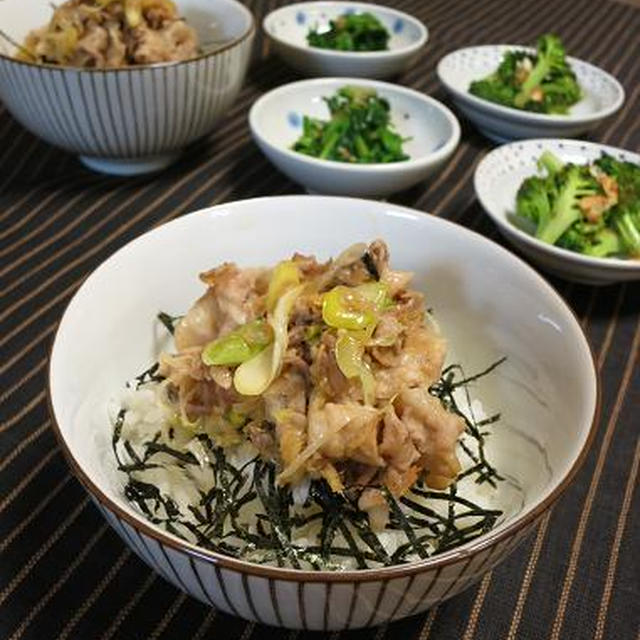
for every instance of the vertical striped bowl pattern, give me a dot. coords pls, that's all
(302, 602)
(545, 347)
(128, 114)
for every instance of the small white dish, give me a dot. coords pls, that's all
(276, 123)
(287, 27)
(496, 181)
(603, 96)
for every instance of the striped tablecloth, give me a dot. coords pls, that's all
(65, 574)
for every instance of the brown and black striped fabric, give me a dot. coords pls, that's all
(65, 574)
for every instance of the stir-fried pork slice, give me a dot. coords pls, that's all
(285, 405)
(396, 447)
(434, 432)
(109, 34)
(347, 431)
(200, 390)
(419, 363)
(356, 265)
(373, 502)
(263, 438)
(174, 40)
(326, 373)
(233, 298)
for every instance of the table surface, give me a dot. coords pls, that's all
(65, 574)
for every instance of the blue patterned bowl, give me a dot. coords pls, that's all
(135, 119)
(287, 27)
(430, 130)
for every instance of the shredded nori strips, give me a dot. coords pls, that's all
(345, 531)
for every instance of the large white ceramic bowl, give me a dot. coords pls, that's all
(488, 302)
(288, 26)
(497, 180)
(603, 96)
(276, 123)
(135, 119)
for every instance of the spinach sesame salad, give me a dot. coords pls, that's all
(351, 32)
(306, 419)
(542, 82)
(359, 130)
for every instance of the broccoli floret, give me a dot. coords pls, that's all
(604, 243)
(494, 91)
(573, 183)
(559, 92)
(627, 223)
(501, 86)
(550, 59)
(550, 162)
(534, 200)
(597, 244)
(627, 175)
(625, 216)
(541, 82)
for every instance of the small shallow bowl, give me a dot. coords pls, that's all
(603, 96)
(287, 27)
(497, 180)
(134, 119)
(276, 123)
(502, 308)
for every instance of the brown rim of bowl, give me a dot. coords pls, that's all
(141, 67)
(358, 575)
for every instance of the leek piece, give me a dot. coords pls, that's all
(240, 345)
(354, 308)
(286, 275)
(254, 376)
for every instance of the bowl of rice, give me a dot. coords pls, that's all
(125, 85)
(327, 430)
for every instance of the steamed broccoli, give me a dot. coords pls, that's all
(572, 184)
(590, 209)
(550, 162)
(626, 221)
(598, 243)
(541, 82)
(625, 217)
(534, 200)
(501, 86)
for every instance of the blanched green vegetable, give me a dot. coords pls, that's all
(354, 308)
(590, 209)
(240, 345)
(360, 130)
(542, 82)
(351, 32)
